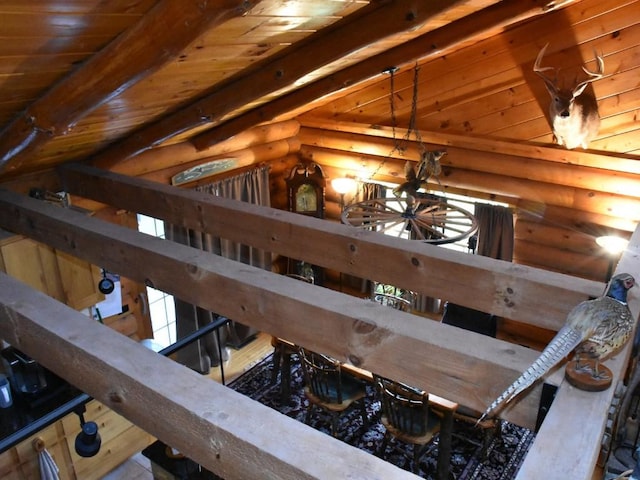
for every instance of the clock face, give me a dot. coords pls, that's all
(306, 198)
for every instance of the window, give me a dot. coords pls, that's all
(161, 306)
(460, 201)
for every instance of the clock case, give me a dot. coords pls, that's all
(305, 187)
(305, 190)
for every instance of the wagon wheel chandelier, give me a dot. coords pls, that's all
(412, 214)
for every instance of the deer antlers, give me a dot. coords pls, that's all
(574, 117)
(553, 82)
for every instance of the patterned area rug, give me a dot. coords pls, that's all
(501, 462)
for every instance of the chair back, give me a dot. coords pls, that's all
(406, 408)
(300, 277)
(322, 376)
(393, 301)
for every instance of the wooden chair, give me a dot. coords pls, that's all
(394, 297)
(491, 428)
(409, 416)
(393, 301)
(282, 353)
(485, 324)
(328, 388)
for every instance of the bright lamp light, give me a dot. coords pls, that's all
(343, 185)
(612, 244)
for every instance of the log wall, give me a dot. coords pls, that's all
(563, 206)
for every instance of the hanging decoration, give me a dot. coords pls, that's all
(413, 214)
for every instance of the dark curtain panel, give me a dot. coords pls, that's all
(495, 231)
(369, 191)
(495, 240)
(251, 187)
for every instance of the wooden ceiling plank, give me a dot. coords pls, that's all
(77, 6)
(429, 45)
(226, 432)
(439, 85)
(370, 25)
(156, 39)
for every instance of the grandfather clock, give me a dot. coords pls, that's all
(305, 187)
(305, 191)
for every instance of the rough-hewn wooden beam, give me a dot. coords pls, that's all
(427, 354)
(498, 287)
(129, 384)
(584, 414)
(371, 24)
(429, 45)
(155, 40)
(225, 431)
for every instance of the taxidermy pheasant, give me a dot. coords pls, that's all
(428, 166)
(598, 328)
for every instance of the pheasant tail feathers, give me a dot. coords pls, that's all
(561, 345)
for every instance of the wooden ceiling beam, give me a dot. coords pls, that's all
(426, 270)
(155, 40)
(430, 45)
(283, 305)
(348, 328)
(367, 26)
(212, 424)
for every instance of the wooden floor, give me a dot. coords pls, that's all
(138, 467)
(241, 360)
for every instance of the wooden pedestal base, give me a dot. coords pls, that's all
(584, 380)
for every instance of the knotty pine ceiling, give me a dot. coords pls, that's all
(104, 81)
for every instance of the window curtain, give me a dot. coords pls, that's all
(495, 231)
(495, 240)
(251, 187)
(369, 191)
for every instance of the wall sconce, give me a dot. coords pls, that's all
(105, 285)
(613, 246)
(88, 441)
(343, 185)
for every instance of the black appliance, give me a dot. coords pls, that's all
(29, 380)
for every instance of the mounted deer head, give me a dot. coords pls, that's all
(574, 115)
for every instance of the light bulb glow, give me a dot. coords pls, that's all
(343, 185)
(612, 244)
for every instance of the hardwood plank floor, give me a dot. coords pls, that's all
(245, 358)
